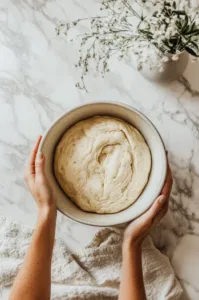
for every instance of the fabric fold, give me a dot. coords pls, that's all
(91, 273)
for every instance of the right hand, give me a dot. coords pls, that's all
(36, 180)
(138, 229)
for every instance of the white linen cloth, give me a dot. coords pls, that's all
(94, 272)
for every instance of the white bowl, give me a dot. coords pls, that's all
(153, 139)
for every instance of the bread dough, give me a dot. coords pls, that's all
(102, 164)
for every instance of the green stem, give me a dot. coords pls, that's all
(131, 9)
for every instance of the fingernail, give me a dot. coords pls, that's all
(162, 199)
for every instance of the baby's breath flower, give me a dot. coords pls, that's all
(173, 22)
(183, 5)
(175, 57)
(160, 39)
(171, 31)
(165, 59)
(157, 34)
(159, 6)
(165, 27)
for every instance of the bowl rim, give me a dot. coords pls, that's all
(119, 104)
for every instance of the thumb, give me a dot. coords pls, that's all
(39, 164)
(157, 206)
(160, 215)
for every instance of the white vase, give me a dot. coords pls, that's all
(172, 69)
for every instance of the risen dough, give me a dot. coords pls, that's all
(102, 164)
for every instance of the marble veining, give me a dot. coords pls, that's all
(37, 84)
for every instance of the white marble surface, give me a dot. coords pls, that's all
(37, 84)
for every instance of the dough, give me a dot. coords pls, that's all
(102, 164)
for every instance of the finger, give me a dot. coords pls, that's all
(156, 207)
(39, 164)
(168, 183)
(31, 161)
(160, 215)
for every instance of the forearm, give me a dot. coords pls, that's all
(34, 278)
(132, 284)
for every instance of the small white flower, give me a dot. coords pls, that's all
(175, 57)
(167, 35)
(159, 6)
(162, 28)
(172, 27)
(157, 34)
(161, 69)
(172, 21)
(153, 20)
(175, 18)
(159, 40)
(171, 30)
(165, 59)
(183, 5)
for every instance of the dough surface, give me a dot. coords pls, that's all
(102, 164)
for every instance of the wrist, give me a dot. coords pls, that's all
(47, 211)
(131, 246)
(131, 253)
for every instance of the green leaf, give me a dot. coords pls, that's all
(174, 5)
(166, 45)
(180, 12)
(186, 30)
(194, 32)
(190, 51)
(194, 45)
(185, 27)
(192, 27)
(146, 32)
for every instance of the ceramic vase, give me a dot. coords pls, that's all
(172, 69)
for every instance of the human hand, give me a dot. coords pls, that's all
(138, 229)
(36, 180)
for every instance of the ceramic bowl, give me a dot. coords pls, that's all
(133, 117)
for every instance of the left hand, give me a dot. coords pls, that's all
(36, 179)
(138, 229)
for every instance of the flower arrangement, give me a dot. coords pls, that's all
(126, 27)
